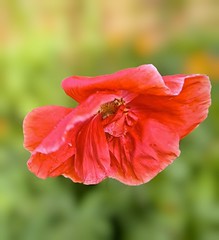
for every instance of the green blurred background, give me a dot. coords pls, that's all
(43, 42)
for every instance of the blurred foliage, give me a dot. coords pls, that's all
(41, 43)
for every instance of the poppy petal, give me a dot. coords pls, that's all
(63, 130)
(182, 112)
(142, 79)
(143, 152)
(92, 160)
(40, 122)
(51, 165)
(59, 144)
(71, 172)
(191, 105)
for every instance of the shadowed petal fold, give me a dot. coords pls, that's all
(92, 160)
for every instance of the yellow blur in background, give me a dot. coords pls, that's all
(43, 42)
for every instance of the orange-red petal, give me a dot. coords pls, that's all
(143, 152)
(51, 164)
(39, 123)
(182, 112)
(92, 160)
(143, 79)
(57, 142)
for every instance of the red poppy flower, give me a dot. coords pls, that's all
(127, 126)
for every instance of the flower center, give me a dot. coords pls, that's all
(110, 108)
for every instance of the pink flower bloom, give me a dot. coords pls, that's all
(127, 126)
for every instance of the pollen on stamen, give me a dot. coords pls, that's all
(110, 108)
